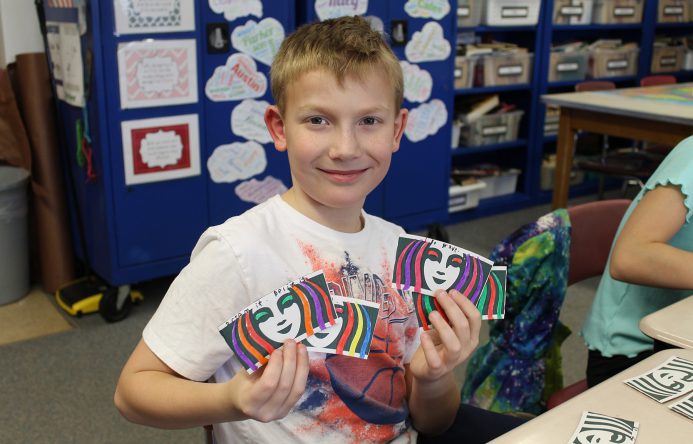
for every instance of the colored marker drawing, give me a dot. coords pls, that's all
(353, 331)
(491, 303)
(294, 311)
(424, 265)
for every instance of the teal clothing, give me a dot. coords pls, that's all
(612, 325)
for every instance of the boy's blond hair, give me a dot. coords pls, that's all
(342, 46)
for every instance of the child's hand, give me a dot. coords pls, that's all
(447, 345)
(272, 391)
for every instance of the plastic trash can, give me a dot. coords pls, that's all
(14, 238)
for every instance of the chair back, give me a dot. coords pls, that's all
(593, 227)
(658, 80)
(596, 85)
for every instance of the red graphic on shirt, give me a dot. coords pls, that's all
(366, 396)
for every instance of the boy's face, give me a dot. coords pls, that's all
(340, 139)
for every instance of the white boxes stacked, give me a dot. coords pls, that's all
(464, 197)
(511, 12)
(572, 12)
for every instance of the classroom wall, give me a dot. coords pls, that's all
(19, 30)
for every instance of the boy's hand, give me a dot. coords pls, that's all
(447, 345)
(272, 391)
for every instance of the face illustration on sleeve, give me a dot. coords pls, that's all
(442, 268)
(281, 320)
(601, 437)
(322, 339)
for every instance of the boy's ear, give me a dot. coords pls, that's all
(400, 125)
(275, 126)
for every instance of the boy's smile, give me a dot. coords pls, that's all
(340, 139)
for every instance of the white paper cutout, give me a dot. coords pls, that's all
(327, 9)
(418, 82)
(145, 16)
(159, 149)
(238, 79)
(428, 45)
(157, 73)
(259, 40)
(233, 9)
(236, 161)
(65, 51)
(375, 22)
(426, 120)
(258, 191)
(248, 120)
(436, 9)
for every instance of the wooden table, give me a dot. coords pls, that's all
(653, 114)
(672, 324)
(658, 423)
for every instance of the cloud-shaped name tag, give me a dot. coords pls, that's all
(327, 9)
(161, 148)
(232, 9)
(248, 120)
(260, 40)
(417, 82)
(436, 9)
(258, 191)
(236, 161)
(426, 120)
(428, 45)
(237, 79)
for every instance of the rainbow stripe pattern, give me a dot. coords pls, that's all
(245, 337)
(355, 326)
(412, 254)
(491, 302)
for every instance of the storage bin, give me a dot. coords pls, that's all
(617, 11)
(492, 128)
(551, 120)
(464, 197)
(548, 174)
(688, 60)
(511, 12)
(568, 66)
(572, 12)
(506, 68)
(667, 58)
(613, 62)
(499, 185)
(468, 13)
(464, 71)
(672, 11)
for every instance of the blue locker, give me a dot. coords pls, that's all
(140, 231)
(415, 192)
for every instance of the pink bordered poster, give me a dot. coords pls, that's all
(157, 73)
(160, 149)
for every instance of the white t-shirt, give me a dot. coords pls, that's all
(238, 262)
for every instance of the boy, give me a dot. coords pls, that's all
(338, 89)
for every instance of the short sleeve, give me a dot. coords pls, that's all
(677, 169)
(183, 332)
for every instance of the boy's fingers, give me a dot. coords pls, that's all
(456, 332)
(286, 379)
(456, 317)
(471, 312)
(300, 378)
(430, 352)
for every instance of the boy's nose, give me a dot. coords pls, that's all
(345, 146)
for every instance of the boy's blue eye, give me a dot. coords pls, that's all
(317, 120)
(370, 121)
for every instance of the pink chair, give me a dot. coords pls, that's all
(663, 79)
(593, 227)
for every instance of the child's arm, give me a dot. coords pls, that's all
(149, 392)
(641, 254)
(434, 397)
